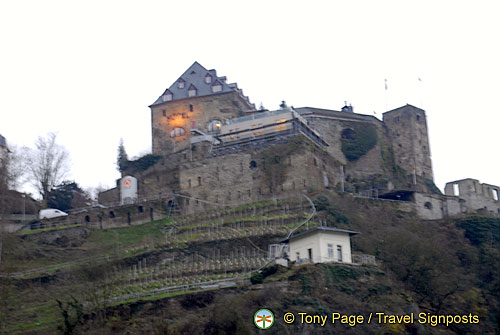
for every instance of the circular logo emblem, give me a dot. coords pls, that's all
(127, 182)
(263, 319)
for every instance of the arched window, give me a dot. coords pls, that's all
(214, 126)
(177, 132)
(348, 134)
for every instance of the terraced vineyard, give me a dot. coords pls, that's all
(214, 249)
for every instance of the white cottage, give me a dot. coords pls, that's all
(321, 245)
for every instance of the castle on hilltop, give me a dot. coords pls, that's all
(211, 145)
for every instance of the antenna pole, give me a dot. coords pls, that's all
(385, 85)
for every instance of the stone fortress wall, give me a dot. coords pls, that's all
(363, 154)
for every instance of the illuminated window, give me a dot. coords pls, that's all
(177, 132)
(214, 125)
(192, 91)
(180, 83)
(208, 79)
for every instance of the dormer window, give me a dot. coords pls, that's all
(192, 91)
(208, 79)
(180, 83)
(167, 96)
(217, 86)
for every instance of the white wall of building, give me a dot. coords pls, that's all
(318, 241)
(128, 190)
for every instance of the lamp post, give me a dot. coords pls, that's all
(24, 207)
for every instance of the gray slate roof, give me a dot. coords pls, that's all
(306, 111)
(320, 228)
(195, 77)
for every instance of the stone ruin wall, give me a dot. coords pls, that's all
(408, 134)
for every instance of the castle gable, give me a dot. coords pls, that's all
(206, 82)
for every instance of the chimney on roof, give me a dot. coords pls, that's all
(347, 109)
(283, 104)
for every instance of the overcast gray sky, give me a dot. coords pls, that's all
(88, 70)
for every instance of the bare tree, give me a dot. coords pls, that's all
(16, 167)
(47, 164)
(12, 169)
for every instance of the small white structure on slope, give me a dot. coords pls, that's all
(321, 245)
(128, 190)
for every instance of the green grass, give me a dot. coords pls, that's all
(47, 317)
(257, 205)
(157, 297)
(128, 236)
(237, 220)
(41, 230)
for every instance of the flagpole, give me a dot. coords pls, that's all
(421, 92)
(385, 85)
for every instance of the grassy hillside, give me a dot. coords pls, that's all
(113, 281)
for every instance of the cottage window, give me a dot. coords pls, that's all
(180, 83)
(208, 79)
(167, 97)
(339, 253)
(330, 250)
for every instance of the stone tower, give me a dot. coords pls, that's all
(407, 128)
(198, 99)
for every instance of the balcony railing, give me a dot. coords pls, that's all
(363, 259)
